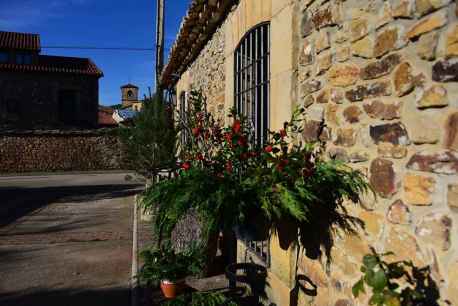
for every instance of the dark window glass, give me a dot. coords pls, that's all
(68, 107)
(252, 80)
(23, 59)
(251, 96)
(4, 57)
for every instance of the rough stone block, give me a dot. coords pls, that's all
(394, 133)
(372, 90)
(435, 96)
(428, 24)
(352, 114)
(345, 137)
(385, 111)
(322, 41)
(434, 229)
(451, 48)
(446, 70)
(389, 150)
(452, 196)
(383, 177)
(364, 47)
(451, 132)
(423, 129)
(436, 161)
(423, 7)
(387, 40)
(399, 213)
(427, 45)
(381, 67)
(343, 75)
(418, 189)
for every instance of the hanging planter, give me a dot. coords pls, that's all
(256, 228)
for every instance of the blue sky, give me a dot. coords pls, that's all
(100, 23)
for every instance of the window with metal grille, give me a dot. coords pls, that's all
(252, 95)
(252, 80)
(183, 109)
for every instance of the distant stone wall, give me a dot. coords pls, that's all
(383, 75)
(47, 151)
(207, 73)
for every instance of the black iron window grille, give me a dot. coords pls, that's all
(252, 96)
(183, 109)
(252, 80)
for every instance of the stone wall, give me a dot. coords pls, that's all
(207, 73)
(48, 151)
(383, 76)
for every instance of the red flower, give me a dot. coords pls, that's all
(200, 156)
(186, 166)
(268, 149)
(229, 167)
(196, 132)
(236, 127)
(282, 133)
(228, 137)
(242, 141)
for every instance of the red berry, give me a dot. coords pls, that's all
(195, 132)
(268, 149)
(186, 166)
(236, 127)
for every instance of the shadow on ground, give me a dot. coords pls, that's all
(17, 202)
(68, 297)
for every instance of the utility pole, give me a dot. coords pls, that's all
(159, 44)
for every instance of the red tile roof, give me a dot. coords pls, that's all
(19, 41)
(201, 21)
(106, 116)
(56, 64)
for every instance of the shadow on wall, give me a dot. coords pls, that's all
(69, 297)
(17, 202)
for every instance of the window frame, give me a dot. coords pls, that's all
(252, 98)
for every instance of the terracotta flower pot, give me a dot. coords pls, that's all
(171, 289)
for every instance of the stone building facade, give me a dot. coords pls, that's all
(382, 76)
(42, 91)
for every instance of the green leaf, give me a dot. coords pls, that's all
(358, 288)
(370, 261)
(376, 299)
(379, 280)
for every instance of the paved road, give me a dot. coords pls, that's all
(66, 240)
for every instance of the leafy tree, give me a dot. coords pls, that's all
(150, 143)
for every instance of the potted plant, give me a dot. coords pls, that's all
(163, 267)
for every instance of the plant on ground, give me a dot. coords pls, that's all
(201, 299)
(395, 283)
(150, 144)
(164, 264)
